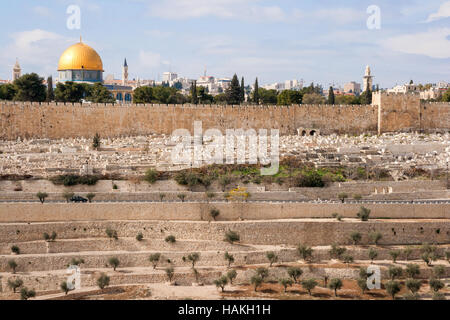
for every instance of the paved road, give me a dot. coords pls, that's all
(253, 201)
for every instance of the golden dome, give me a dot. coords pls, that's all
(80, 57)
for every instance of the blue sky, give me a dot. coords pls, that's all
(321, 41)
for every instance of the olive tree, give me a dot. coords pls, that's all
(335, 284)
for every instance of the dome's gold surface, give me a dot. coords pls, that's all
(80, 57)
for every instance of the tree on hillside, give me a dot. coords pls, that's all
(366, 97)
(30, 87)
(331, 98)
(242, 90)
(256, 92)
(289, 97)
(69, 92)
(268, 96)
(7, 91)
(50, 93)
(233, 92)
(203, 96)
(313, 98)
(446, 96)
(99, 94)
(143, 95)
(194, 97)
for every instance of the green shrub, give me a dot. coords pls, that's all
(170, 272)
(113, 262)
(347, 259)
(256, 281)
(154, 259)
(436, 285)
(305, 252)
(412, 270)
(395, 272)
(90, 197)
(373, 254)
(26, 294)
(362, 284)
(342, 197)
(294, 273)
(103, 281)
(170, 239)
(363, 214)
(182, 197)
(335, 284)
(65, 287)
(214, 213)
(15, 249)
(68, 195)
(140, 237)
(272, 257)
(392, 288)
(15, 284)
(439, 271)
(231, 275)
(262, 272)
(309, 285)
(73, 180)
(309, 179)
(112, 234)
(221, 282)
(407, 253)
(375, 237)
(151, 176)
(336, 252)
(229, 258)
(50, 238)
(355, 237)
(285, 283)
(193, 258)
(76, 262)
(413, 285)
(394, 255)
(232, 237)
(42, 196)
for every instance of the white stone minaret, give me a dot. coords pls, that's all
(17, 71)
(368, 79)
(125, 73)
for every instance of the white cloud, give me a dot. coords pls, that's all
(151, 60)
(42, 11)
(225, 9)
(37, 50)
(433, 43)
(443, 12)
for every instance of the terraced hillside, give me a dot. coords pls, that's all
(42, 263)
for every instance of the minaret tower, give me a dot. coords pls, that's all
(125, 73)
(368, 79)
(17, 71)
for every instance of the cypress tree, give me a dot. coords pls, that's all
(194, 93)
(331, 98)
(50, 94)
(234, 91)
(256, 92)
(242, 90)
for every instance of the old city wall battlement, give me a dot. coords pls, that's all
(58, 120)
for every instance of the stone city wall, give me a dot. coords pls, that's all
(198, 211)
(28, 120)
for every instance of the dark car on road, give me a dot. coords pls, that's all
(78, 199)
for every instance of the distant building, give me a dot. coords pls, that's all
(17, 71)
(293, 85)
(125, 73)
(169, 76)
(368, 79)
(352, 87)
